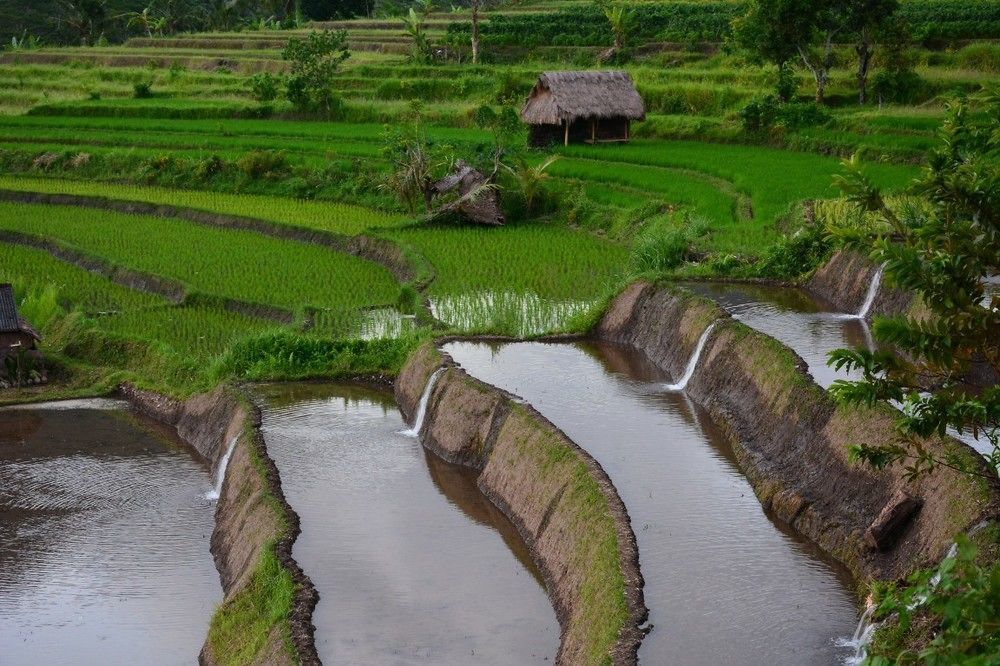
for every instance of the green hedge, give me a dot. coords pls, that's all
(709, 21)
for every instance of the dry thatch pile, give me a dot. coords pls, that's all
(478, 198)
(569, 96)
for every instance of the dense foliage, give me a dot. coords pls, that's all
(710, 20)
(941, 366)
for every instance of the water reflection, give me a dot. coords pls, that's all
(724, 584)
(807, 324)
(412, 563)
(104, 540)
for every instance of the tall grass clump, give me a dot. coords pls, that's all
(285, 355)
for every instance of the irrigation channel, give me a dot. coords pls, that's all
(808, 324)
(723, 582)
(104, 538)
(412, 563)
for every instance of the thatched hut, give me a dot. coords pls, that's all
(588, 107)
(20, 360)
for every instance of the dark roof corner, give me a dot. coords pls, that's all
(10, 321)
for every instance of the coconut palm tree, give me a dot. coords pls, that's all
(531, 180)
(620, 17)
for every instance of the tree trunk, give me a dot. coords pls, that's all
(475, 32)
(865, 50)
(820, 70)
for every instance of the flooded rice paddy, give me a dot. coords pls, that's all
(104, 539)
(412, 563)
(724, 584)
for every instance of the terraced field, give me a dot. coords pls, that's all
(244, 217)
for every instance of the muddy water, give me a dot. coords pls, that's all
(104, 539)
(412, 563)
(724, 584)
(807, 324)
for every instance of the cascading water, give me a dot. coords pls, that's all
(418, 421)
(693, 363)
(861, 638)
(220, 472)
(866, 628)
(872, 293)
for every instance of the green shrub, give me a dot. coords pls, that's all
(980, 57)
(142, 90)
(263, 163)
(762, 113)
(264, 87)
(659, 250)
(795, 255)
(897, 86)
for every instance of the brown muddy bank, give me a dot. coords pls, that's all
(559, 498)
(251, 516)
(791, 440)
(845, 279)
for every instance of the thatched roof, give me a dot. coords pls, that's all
(560, 96)
(10, 321)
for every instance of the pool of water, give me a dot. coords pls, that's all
(807, 325)
(412, 563)
(104, 539)
(723, 582)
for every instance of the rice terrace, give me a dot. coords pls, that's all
(500, 332)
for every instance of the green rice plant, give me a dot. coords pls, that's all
(32, 269)
(227, 263)
(508, 313)
(198, 332)
(774, 179)
(552, 262)
(326, 216)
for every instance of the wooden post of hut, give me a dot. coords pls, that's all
(585, 107)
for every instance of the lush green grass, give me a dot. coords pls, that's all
(548, 260)
(29, 268)
(326, 216)
(222, 262)
(773, 178)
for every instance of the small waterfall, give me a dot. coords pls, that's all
(418, 421)
(693, 363)
(872, 293)
(220, 472)
(862, 636)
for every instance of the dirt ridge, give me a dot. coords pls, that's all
(252, 512)
(480, 426)
(791, 439)
(173, 290)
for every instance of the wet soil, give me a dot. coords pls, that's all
(412, 563)
(104, 539)
(723, 582)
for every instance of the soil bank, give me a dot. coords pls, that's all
(254, 526)
(792, 441)
(559, 498)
